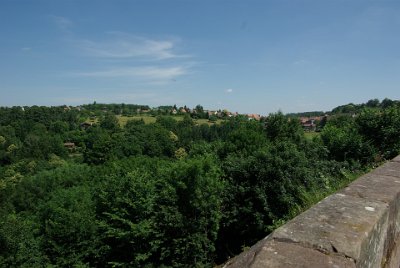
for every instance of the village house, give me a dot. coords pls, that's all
(86, 125)
(210, 113)
(254, 117)
(70, 146)
(310, 123)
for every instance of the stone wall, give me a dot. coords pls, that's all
(358, 226)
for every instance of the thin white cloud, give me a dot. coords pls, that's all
(26, 49)
(122, 45)
(300, 62)
(61, 22)
(149, 73)
(229, 90)
(132, 57)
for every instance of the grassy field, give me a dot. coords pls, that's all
(122, 120)
(151, 119)
(205, 121)
(311, 135)
(146, 118)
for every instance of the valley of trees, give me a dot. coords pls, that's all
(170, 193)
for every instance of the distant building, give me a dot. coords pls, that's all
(70, 145)
(254, 117)
(86, 125)
(210, 113)
(310, 123)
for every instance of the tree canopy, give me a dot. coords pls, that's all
(169, 193)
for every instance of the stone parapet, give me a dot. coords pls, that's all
(358, 226)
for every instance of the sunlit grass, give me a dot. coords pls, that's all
(208, 122)
(311, 135)
(148, 119)
(122, 120)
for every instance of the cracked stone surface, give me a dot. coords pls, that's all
(275, 254)
(391, 168)
(394, 258)
(341, 224)
(384, 189)
(396, 159)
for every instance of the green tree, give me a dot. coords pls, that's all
(345, 143)
(69, 227)
(97, 146)
(373, 103)
(126, 208)
(109, 122)
(262, 188)
(280, 127)
(19, 242)
(189, 212)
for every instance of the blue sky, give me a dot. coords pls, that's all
(246, 56)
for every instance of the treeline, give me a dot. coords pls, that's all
(171, 193)
(372, 104)
(115, 108)
(98, 109)
(351, 108)
(307, 114)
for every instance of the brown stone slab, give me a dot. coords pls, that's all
(396, 159)
(385, 189)
(374, 187)
(343, 225)
(274, 254)
(391, 168)
(393, 260)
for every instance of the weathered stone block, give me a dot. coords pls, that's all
(385, 189)
(396, 159)
(374, 187)
(394, 259)
(344, 225)
(274, 254)
(391, 168)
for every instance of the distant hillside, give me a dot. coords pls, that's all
(307, 114)
(356, 108)
(350, 108)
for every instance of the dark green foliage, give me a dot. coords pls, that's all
(110, 123)
(170, 215)
(280, 127)
(306, 114)
(69, 227)
(189, 212)
(263, 186)
(125, 207)
(352, 108)
(98, 146)
(19, 246)
(382, 128)
(124, 109)
(171, 193)
(345, 143)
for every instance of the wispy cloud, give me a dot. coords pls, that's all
(123, 45)
(130, 57)
(26, 49)
(149, 73)
(300, 62)
(61, 22)
(229, 90)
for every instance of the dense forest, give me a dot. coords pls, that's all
(171, 193)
